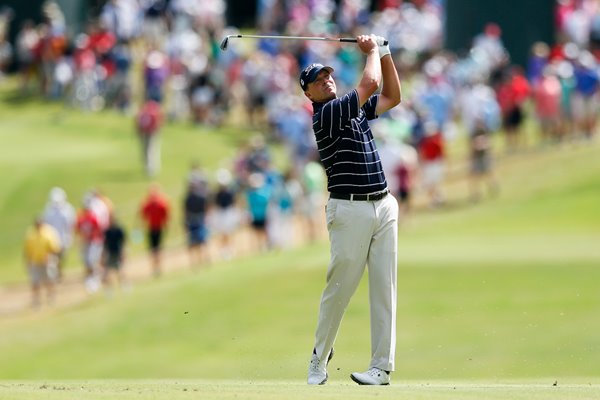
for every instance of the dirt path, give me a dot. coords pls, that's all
(15, 300)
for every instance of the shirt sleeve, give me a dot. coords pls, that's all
(370, 107)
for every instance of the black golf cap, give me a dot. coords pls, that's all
(310, 73)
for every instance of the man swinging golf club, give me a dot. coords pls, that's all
(361, 214)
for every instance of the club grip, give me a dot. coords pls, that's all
(353, 40)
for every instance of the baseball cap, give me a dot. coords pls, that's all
(310, 73)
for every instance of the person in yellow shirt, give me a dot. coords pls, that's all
(42, 245)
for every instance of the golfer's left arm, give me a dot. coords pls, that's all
(391, 94)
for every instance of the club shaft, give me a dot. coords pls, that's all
(347, 40)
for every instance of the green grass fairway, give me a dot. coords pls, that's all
(269, 390)
(497, 300)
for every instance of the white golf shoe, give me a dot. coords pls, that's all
(317, 370)
(374, 376)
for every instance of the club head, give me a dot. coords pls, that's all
(224, 43)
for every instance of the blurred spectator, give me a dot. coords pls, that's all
(286, 192)
(6, 50)
(226, 216)
(314, 182)
(154, 24)
(149, 121)
(546, 96)
(42, 244)
(156, 72)
(91, 237)
(155, 212)
(118, 86)
(203, 99)
(86, 90)
(27, 43)
(538, 60)
(122, 18)
(435, 97)
(60, 214)
(113, 255)
(195, 208)
(585, 98)
(52, 45)
(258, 196)
(566, 77)
(101, 206)
(512, 92)
(405, 173)
(481, 171)
(431, 152)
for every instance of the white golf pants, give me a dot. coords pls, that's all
(361, 233)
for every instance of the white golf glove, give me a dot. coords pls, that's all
(383, 49)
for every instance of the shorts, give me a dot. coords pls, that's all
(38, 273)
(225, 220)
(91, 253)
(433, 172)
(112, 260)
(155, 239)
(481, 165)
(513, 119)
(259, 224)
(197, 234)
(403, 195)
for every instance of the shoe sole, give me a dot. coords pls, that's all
(361, 383)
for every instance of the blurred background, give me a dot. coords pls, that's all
(154, 185)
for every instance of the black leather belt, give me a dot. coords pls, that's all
(359, 197)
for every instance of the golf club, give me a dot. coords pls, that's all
(225, 41)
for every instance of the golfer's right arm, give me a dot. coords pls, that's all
(371, 77)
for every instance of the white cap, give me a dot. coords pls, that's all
(57, 195)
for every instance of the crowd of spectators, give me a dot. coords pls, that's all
(166, 53)
(251, 202)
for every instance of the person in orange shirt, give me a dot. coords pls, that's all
(42, 245)
(154, 211)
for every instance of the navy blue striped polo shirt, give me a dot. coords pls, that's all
(346, 145)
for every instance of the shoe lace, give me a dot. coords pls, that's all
(314, 364)
(374, 372)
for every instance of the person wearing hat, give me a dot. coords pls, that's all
(362, 217)
(61, 215)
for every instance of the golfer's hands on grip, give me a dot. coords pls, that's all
(367, 43)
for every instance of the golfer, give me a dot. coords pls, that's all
(361, 213)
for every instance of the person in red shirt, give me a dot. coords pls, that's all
(431, 157)
(91, 237)
(148, 123)
(512, 93)
(154, 212)
(547, 96)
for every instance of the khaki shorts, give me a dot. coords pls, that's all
(38, 274)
